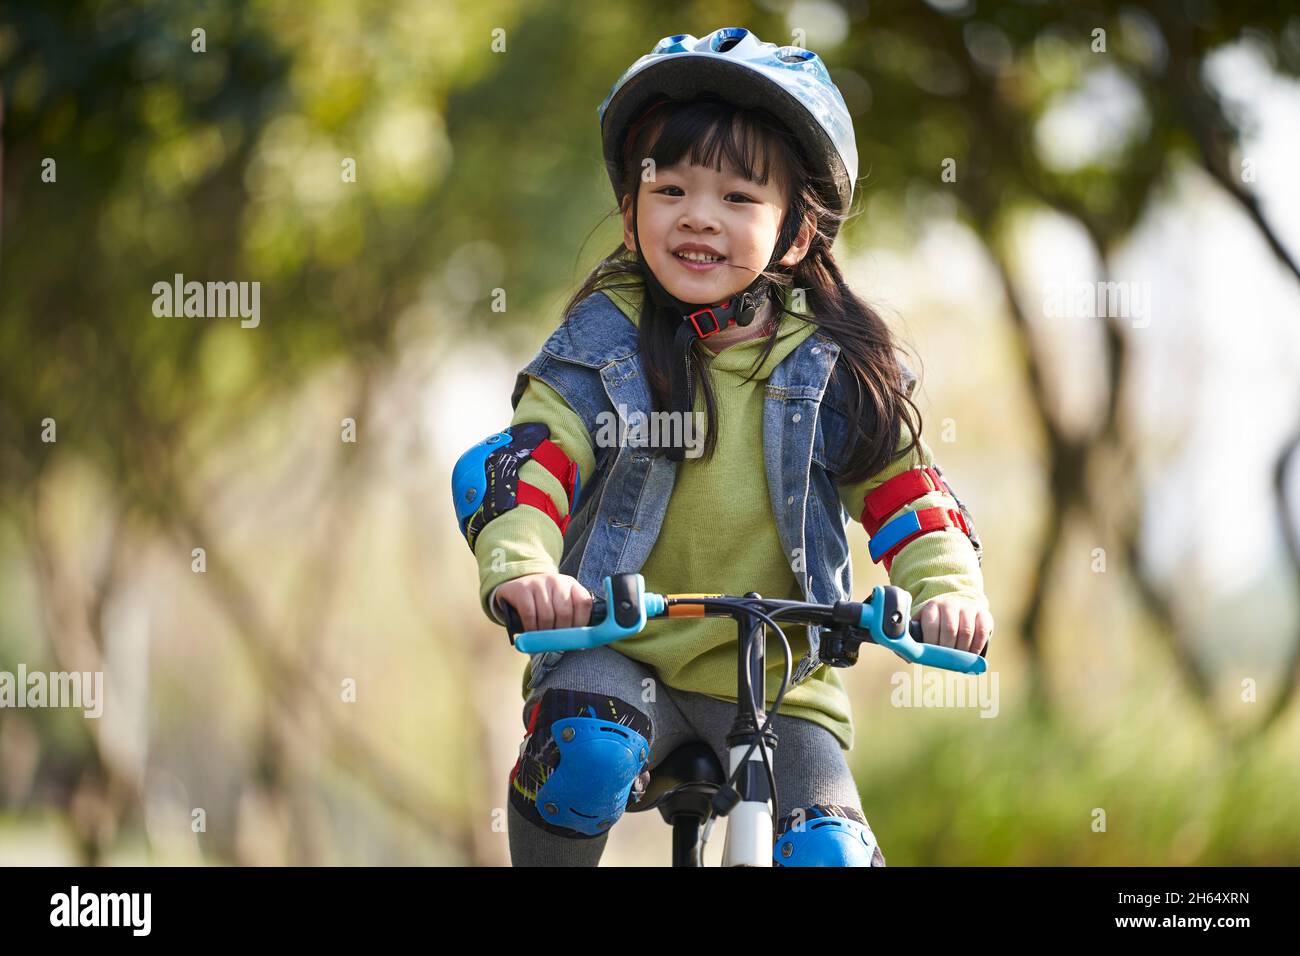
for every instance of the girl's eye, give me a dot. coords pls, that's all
(678, 188)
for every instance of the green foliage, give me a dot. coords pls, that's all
(954, 789)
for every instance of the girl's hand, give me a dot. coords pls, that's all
(546, 601)
(955, 622)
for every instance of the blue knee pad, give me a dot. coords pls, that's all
(829, 836)
(579, 762)
(599, 760)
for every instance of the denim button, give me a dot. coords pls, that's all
(790, 500)
(796, 418)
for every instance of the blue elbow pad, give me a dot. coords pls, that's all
(485, 480)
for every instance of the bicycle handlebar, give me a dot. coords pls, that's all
(879, 619)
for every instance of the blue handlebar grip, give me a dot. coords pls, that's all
(905, 646)
(936, 655)
(644, 605)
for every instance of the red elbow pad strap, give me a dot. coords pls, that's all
(898, 491)
(906, 528)
(527, 494)
(565, 469)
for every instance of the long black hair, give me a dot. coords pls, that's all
(757, 144)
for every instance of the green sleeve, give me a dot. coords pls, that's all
(525, 540)
(932, 564)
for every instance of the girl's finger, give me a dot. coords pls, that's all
(545, 613)
(562, 605)
(950, 619)
(930, 623)
(983, 631)
(965, 627)
(525, 608)
(581, 598)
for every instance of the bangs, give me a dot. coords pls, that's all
(709, 130)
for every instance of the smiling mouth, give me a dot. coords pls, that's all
(699, 264)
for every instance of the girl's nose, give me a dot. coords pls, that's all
(699, 218)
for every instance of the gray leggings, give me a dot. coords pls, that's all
(809, 764)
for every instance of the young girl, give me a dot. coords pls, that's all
(733, 162)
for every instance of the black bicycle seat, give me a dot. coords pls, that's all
(683, 782)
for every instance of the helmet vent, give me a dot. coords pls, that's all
(726, 38)
(673, 43)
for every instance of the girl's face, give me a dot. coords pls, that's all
(696, 205)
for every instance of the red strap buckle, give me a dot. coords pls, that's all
(717, 326)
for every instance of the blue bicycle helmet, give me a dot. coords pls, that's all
(788, 81)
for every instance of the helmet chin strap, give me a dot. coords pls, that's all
(698, 320)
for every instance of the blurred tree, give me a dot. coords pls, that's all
(987, 74)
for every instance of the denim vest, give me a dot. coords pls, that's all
(593, 363)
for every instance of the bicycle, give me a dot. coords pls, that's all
(689, 787)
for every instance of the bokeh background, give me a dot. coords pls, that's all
(1133, 477)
